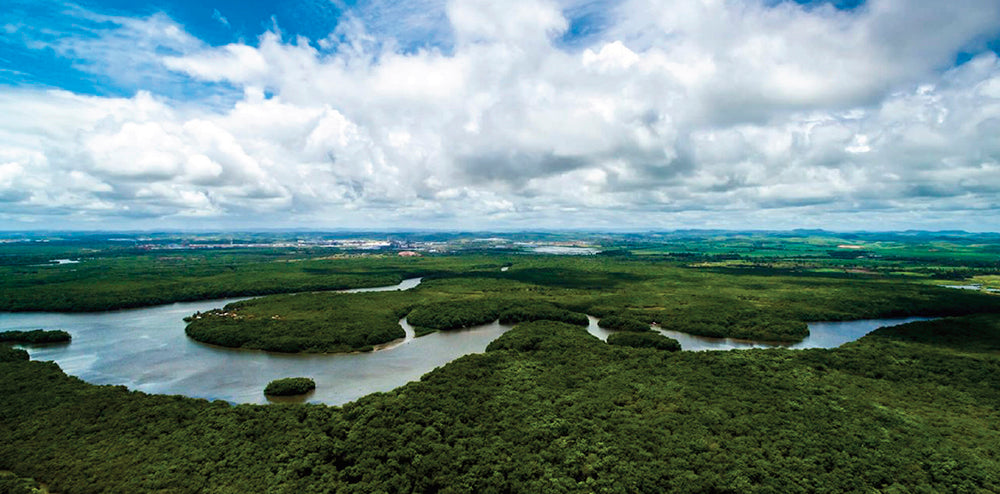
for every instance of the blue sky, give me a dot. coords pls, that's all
(222, 23)
(225, 21)
(839, 114)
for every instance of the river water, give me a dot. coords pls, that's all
(147, 350)
(821, 335)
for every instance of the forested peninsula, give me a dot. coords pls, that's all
(35, 336)
(627, 295)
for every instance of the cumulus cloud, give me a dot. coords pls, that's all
(707, 113)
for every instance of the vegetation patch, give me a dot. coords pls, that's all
(10, 354)
(12, 484)
(118, 279)
(619, 323)
(455, 314)
(964, 334)
(508, 309)
(544, 335)
(309, 322)
(290, 386)
(644, 340)
(523, 312)
(36, 336)
(749, 324)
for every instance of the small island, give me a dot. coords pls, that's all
(36, 336)
(645, 340)
(290, 386)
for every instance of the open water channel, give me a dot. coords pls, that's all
(147, 350)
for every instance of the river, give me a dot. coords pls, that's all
(146, 350)
(821, 335)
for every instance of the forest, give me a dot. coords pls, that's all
(35, 336)
(627, 294)
(549, 408)
(122, 270)
(115, 280)
(290, 386)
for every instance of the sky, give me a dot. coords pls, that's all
(488, 115)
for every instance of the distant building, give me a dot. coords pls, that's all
(408, 253)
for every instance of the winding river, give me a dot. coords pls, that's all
(821, 335)
(146, 349)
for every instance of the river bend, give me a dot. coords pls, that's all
(146, 349)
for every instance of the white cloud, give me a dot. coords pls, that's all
(235, 62)
(129, 51)
(218, 17)
(683, 113)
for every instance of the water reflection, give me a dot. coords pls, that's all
(302, 398)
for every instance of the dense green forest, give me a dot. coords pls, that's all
(35, 336)
(121, 270)
(290, 386)
(549, 408)
(620, 323)
(137, 279)
(12, 484)
(307, 322)
(10, 354)
(627, 294)
(647, 339)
